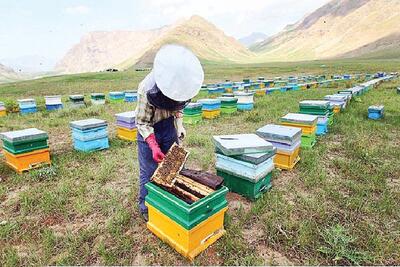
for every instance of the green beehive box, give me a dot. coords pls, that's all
(25, 147)
(192, 111)
(245, 187)
(192, 119)
(23, 141)
(308, 140)
(186, 215)
(228, 110)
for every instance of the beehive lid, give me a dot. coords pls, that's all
(24, 135)
(88, 124)
(76, 97)
(209, 101)
(97, 94)
(128, 116)
(256, 158)
(193, 106)
(314, 104)
(244, 93)
(336, 97)
(280, 133)
(376, 108)
(1, 104)
(131, 92)
(52, 97)
(26, 100)
(227, 99)
(228, 95)
(300, 118)
(240, 144)
(116, 93)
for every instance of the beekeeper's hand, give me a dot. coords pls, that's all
(180, 130)
(158, 156)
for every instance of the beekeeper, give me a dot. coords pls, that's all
(175, 79)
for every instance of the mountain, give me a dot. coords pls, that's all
(387, 47)
(252, 39)
(339, 28)
(97, 51)
(7, 74)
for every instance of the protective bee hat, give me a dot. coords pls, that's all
(177, 72)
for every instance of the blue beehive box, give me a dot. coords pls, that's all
(27, 106)
(210, 104)
(130, 96)
(375, 112)
(116, 96)
(53, 102)
(322, 125)
(90, 135)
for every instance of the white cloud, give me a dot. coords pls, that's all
(77, 10)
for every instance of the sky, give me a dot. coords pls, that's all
(45, 29)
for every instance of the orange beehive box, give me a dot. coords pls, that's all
(27, 161)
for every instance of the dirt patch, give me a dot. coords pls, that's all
(272, 257)
(236, 202)
(11, 197)
(77, 224)
(284, 178)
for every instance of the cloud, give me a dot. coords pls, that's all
(77, 10)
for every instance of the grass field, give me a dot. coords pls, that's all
(340, 205)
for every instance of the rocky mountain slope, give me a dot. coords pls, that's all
(121, 49)
(341, 27)
(253, 39)
(7, 74)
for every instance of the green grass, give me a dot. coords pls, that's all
(340, 205)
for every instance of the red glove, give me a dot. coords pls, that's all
(158, 156)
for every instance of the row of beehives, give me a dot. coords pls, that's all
(245, 162)
(28, 105)
(264, 86)
(28, 149)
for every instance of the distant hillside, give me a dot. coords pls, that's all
(122, 49)
(252, 39)
(384, 48)
(339, 28)
(7, 74)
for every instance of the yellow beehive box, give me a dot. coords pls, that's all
(27, 161)
(211, 114)
(260, 92)
(305, 129)
(127, 134)
(3, 113)
(286, 161)
(189, 243)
